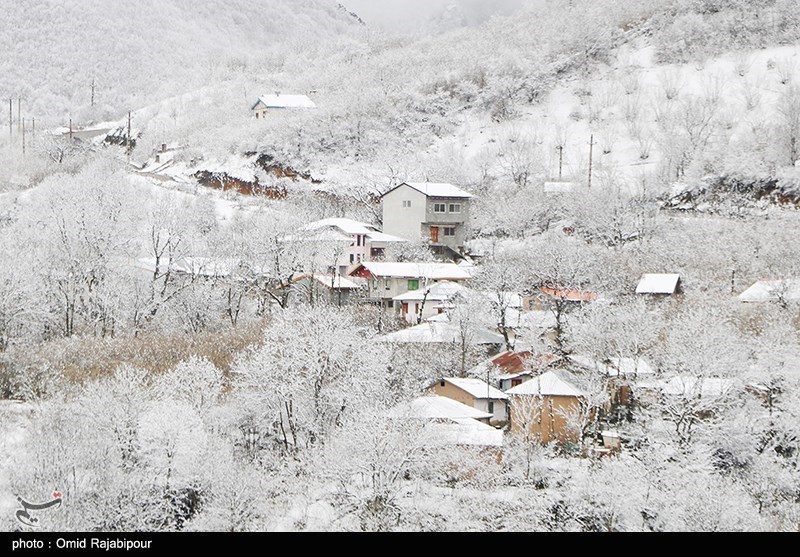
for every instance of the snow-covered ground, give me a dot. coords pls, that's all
(159, 191)
(14, 420)
(225, 208)
(622, 101)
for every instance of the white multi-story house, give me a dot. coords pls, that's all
(367, 243)
(434, 213)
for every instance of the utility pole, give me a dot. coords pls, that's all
(23, 138)
(489, 388)
(129, 136)
(591, 160)
(560, 149)
(19, 114)
(10, 118)
(33, 131)
(92, 92)
(70, 130)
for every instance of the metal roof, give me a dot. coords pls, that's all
(430, 189)
(548, 384)
(658, 284)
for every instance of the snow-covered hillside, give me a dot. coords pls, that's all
(14, 420)
(139, 52)
(295, 271)
(627, 106)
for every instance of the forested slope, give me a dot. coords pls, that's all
(144, 51)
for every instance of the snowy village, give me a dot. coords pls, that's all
(522, 266)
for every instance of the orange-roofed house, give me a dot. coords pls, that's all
(546, 296)
(514, 368)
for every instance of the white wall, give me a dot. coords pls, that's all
(402, 221)
(428, 311)
(500, 409)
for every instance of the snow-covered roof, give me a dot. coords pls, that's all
(439, 318)
(658, 284)
(439, 292)
(772, 290)
(347, 226)
(468, 266)
(431, 271)
(512, 364)
(534, 319)
(476, 388)
(629, 366)
(569, 294)
(79, 132)
(324, 235)
(439, 333)
(383, 238)
(339, 282)
(548, 384)
(614, 367)
(431, 189)
(464, 432)
(354, 228)
(437, 408)
(285, 101)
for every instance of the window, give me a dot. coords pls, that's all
(455, 208)
(388, 284)
(439, 208)
(491, 407)
(443, 383)
(449, 231)
(406, 204)
(375, 284)
(413, 285)
(352, 259)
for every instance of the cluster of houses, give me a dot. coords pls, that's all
(543, 398)
(559, 400)
(548, 398)
(436, 214)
